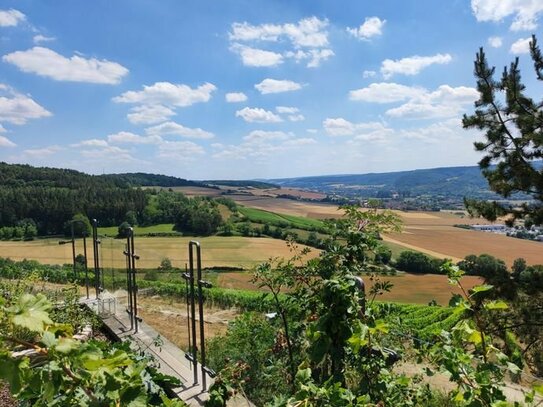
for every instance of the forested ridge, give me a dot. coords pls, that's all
(47, 198)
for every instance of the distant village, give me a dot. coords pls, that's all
(519, 231)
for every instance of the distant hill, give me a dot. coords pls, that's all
(244, 184)
(140, 179)
(448, 181)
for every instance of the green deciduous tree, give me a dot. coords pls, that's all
(513, 138)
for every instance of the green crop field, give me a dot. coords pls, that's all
(274, 219)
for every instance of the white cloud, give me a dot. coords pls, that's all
(308, 41)
(176, 129)
(11, 17)
(179, 150)
(91, 143)
(411, 65)
(17, 108)
(341, 127)
(303, 141)
(45, 62)
(38, 39)
(126, 137)
(169, 94)
(257, 57)
(277, 86)
(371, 27)
(259, 136)
(287, 109)
(5, 142)
(315, 56)
(525, 12)
(235, 97)
(293, 113)
(308, 32)
(445, 101)
(42, 152)
(521, 46)
(2, 129)
(149, 114)
(495, 42)
(258, 115)
(368, 74)
(385, 92)
(106, 153)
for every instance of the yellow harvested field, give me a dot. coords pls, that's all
(432, 233)
(408, 288)
(216, 251)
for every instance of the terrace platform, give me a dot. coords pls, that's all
(171, 359)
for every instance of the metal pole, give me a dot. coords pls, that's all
(201, 309)
(73, 248)
(128, 255)
(186, 277)
(134, 282)
(86, 265)
(193, 313)
(95, 244)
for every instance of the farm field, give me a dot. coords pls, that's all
(432, 233)
(408, 288)
(216, 251)
(111, 231)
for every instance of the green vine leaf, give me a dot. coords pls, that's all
(31, 312)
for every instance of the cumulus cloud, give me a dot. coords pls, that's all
(179, 150)
(411, 65)
(5, 142)
(525, 12)
(341, 127)
(521, 46)
(445, 101)
(235, 97)
(169, 94)
(385, 92)
(176, 129)
(91, 143)
(11, 18)
(495, 42)
(16, 108)
(43, 152)
(372, 27)
(314, 56)
(38, 39)
(308, 32)
(257, 57)
(258, 115)
(149, 114)
(277, 86)
(308, 40)
(368, 74)
(258, 136)
(126, 137)
(46, 62)
(293, 113)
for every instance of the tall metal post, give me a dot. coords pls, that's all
(73, 249)
(86, 264)
(95, 246)
(134, 282)
(193, 311)
(128, 255)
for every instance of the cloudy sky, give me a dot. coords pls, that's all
(250, 89)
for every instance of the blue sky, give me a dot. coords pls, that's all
(250, 89)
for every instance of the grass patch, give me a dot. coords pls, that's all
(275, 219)
(111, 231)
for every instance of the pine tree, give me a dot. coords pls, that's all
(513, 144)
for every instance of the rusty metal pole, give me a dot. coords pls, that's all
(95, 245)
(86, 265)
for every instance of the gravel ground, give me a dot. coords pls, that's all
(5, 398)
